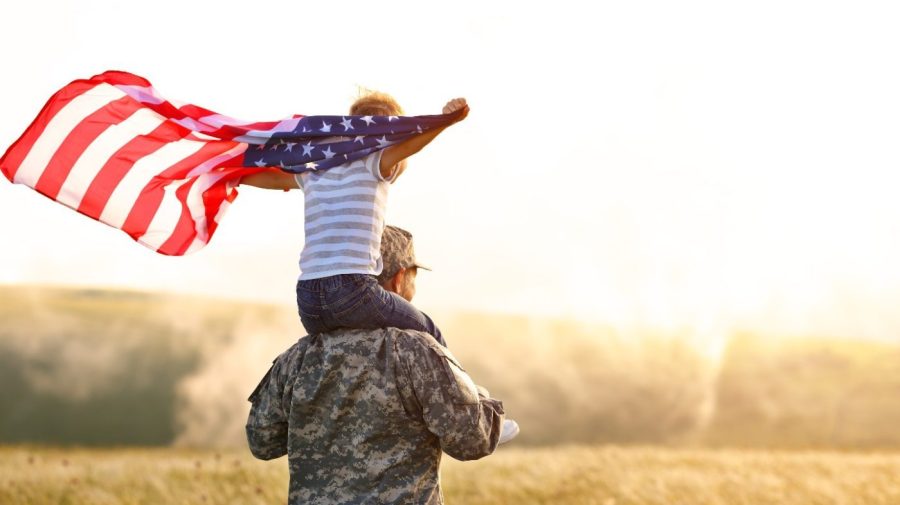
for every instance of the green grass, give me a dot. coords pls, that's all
(576, 474)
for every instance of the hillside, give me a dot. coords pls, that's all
(100, 367)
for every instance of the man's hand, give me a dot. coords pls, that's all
(455, 105)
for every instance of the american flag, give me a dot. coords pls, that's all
(164, 172)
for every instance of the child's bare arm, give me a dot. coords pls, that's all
(271, 179)
(399, 152)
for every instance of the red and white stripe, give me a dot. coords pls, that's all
(112, 149)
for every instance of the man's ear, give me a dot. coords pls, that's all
(397, 280)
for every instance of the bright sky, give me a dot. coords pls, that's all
(706, 165)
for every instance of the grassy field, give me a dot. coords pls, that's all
(581, 475)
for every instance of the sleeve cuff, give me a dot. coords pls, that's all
(373, 161)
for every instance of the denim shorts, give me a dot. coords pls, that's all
(357, 301)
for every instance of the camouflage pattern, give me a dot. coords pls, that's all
(397, 252)
(364, 415)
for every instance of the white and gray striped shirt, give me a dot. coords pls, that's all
(343, 218)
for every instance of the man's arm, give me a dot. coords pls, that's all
(399, 152)
(267, 425)
(272, 178)
(459, 413)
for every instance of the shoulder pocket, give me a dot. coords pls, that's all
(262, 383)
(461, 387)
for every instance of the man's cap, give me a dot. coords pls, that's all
(397, 252)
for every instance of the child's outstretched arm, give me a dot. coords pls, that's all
(390, 157)
(271, 179)
(398, 152)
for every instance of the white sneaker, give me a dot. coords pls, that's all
(509, 431)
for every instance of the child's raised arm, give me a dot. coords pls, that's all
(396, 153)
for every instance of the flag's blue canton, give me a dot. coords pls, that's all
(322, 142)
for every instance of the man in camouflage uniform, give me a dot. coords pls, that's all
(363, 415)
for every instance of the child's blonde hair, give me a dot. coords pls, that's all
(375, 103)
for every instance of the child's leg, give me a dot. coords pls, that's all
(399, 313)
(368, 305)
(357, 301)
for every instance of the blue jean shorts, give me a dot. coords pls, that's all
(357, 301)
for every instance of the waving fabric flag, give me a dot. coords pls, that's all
(113, 149)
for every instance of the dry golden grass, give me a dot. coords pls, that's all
(579, 475)
(40, 476)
